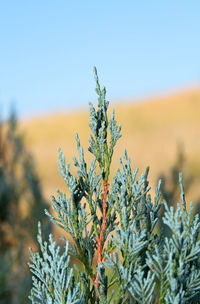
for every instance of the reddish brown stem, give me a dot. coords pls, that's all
(103, 225)
(100, 238)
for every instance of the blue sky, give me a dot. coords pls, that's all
(48, 49)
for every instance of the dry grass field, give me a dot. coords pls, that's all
(151, 132)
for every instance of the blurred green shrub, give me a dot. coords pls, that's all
(21, 206)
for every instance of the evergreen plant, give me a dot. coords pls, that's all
(112, 224)
(21, 206)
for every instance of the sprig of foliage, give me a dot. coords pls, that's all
(53, 280)
(112, 223)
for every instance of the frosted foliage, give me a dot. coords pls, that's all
(123, 257)
(53, 280)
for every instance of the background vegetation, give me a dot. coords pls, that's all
(21, 206)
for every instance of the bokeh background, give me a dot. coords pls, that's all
(147, 56)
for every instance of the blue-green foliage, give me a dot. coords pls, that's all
(53, 280)
(138, 264)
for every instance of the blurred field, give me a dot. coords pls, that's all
(151, 131)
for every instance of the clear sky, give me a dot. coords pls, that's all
(48, 49)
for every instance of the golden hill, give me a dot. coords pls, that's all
(151, 131)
